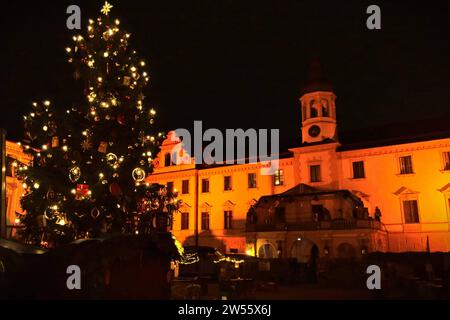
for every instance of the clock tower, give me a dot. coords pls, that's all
(318, 108)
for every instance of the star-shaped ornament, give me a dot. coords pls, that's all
(106, 8)
(86, 145)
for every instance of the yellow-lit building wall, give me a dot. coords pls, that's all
(14, 189)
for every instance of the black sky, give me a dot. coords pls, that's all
(242, 63)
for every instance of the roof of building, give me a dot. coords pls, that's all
(317, 81)
(396, 133)
(383, 135)
(304, 190)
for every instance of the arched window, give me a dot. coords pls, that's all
(313, 111)
(266, 251)
(325, 109)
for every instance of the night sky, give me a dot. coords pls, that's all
(242, 63)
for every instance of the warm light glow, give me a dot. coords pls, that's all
(106, 8)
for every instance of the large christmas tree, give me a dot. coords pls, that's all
(90, 161)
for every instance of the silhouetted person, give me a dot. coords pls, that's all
(377, 214)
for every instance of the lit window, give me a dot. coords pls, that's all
(411, 211)
(185, 221)
(227, 183)
(251, 180)
(278, 178)
(228, 219)
(446, 156)
(205, 185)
(406, 165)
(314, 173)
(358, 170)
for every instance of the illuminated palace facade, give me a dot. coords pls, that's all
(14, 189)
(325, 199)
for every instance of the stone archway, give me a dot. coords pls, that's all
(346, 251)
(267, 251)
(304, 250)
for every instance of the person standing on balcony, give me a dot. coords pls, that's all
(377, 214)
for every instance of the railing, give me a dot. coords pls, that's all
(313, 225)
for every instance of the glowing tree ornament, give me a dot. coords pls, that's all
(138, 174)
(74, 174)
(106, 8)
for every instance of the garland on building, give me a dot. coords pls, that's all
(87, 177)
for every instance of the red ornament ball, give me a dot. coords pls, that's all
(121, 119)
(115, 189)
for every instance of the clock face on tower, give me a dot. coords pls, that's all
(314, 131)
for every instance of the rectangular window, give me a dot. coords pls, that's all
(170, 186)
(205, 185)
(358, 170)
(278, 178)
(185, 221)
(227, 183)
(10, 167)
(411, 211)
(280, 214)
(446, 156)
(205, 221)
(228, 219)
(252, 180)
(314, 173)
(167, 160)
(185, 187)
(406, 165)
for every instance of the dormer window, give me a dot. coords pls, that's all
(446, 158)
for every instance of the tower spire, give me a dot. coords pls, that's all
(318, 106)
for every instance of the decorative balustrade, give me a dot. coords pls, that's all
(339, 224)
